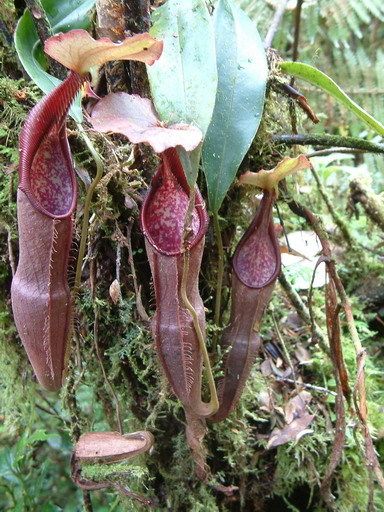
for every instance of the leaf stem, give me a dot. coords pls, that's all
(214, 402)
(87, 205)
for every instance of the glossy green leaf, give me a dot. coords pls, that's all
(184, 80)
(242, 75)
(68, 15)
(324, 82)
(63, 16)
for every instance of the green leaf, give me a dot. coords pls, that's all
(68, 15)
(63, 16)
(242, 74)
(324, 82)
(184, 80)
(31, 55)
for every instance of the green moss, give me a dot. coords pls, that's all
(16, 394)
(123, 472)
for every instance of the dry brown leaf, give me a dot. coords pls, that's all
(292, 432)
(296, 406)
(115, 291)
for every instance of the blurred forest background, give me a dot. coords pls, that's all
(343, 38)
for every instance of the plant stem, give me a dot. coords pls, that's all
(327, 141)
(296, 37)
(214, 402)
(277, 18)
(87, 501)
(220, 269)
(285, 350)
(87, 205)
(334, 214)
(359, 392)
(330, 151)
(305, 385)
(371, 203)
(302, 310)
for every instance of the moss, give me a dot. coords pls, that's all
(129, 473)
(16, 396)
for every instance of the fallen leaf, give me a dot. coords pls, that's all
(266, 368)
(78, 51)
(292, 432)
(115, 291)
(296, 406)
(303, 355)
(266, 401)
(136, 118)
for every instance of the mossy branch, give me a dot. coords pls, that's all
(336, 217)
(371, 203)
(302, 310)
(328, 141)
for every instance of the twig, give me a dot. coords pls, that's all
(300, 99)
(47, 411)
(371, 203)
(139, 304)
(277, 18)
(296, 37)
(359, 393)
(73, 408)
(281, 220)
(337, 448)
(71, 384)
(342, 385)
(302, 310)
(41, 22)
(87, 501)
(328, 140)
(330, 151)
(111, 24)
(285, 350)
(295, 53)
(306, 386)
(335, 216)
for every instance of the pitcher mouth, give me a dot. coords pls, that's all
(46, 170)
(256, 261)
(50, 184)
(165, 209)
